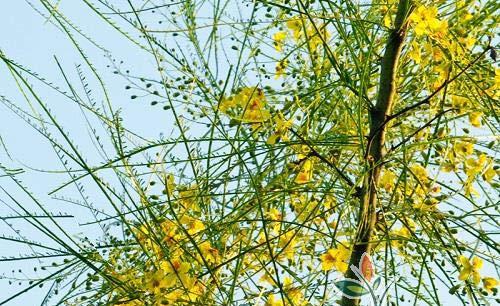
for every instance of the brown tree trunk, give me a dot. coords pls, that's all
(376, 141)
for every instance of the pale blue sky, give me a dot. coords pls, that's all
(30, 40)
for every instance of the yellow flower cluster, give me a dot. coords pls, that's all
(426, 22)
(248, 105)
(337, 258)
(470, 271)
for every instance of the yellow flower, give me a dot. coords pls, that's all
(427, 23)
(279, 38)
(287, 244)
(251, 101)
(172, 297)
(306, 172)
(175, 271)
(281, 129)
(209, 253)
(336, 258)
(196, 289)
(170, 230)
(155, 281)
(280, 68)
(475, 118)
(475, 166)
(293, 293)
(470, 268)
(463, 148)
(387, 180)
(468, 42)
(420, 173)
(274, 214)
(401, 237)
(267, 278)
(459, 102)
(273, 301)
(469, 189)
(169, 182)
(489, 174)
(188, 198)
(428, 204)
(415, 53)
(295, 25)
(387, 20)
(193, 225)
(490, 283)
(316, 36)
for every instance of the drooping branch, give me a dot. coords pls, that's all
(376, 141)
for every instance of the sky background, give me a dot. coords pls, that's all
(32, 41)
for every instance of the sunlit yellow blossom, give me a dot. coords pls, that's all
(274, 214)
(188, 198)
(459, 102)
(489, 174)
(175, 271)
(306, 172)
(253, 102)
(280, 68)
(401, 236)
(249, 104)
(469, 188)
(415, 53)
(428, 204)
(273, 301)
(462, 148)
(156, 281)
(195, 290)
(266, 278)
(497, 77)
(281, 129)
(420, 173)
(287, 243)
(475, 118)
(295, 24)
(172, 297)
(387, 180)
(279, 38)
(170, 231)
(209, 253)
(387, 20)
(316, 35)
(329, 202)
(336, 259)
(426, 21)
(490, 283)
(294, 293)
(468, 42)
(169, 182)
(470, 269)
(193, 225)
(474, 166)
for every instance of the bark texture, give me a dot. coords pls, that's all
(376, 141)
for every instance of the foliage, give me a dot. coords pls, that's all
(268, 187)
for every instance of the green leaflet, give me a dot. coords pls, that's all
(351, 288)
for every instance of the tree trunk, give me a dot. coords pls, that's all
(376, 141)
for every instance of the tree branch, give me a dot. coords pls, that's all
(367, 215)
